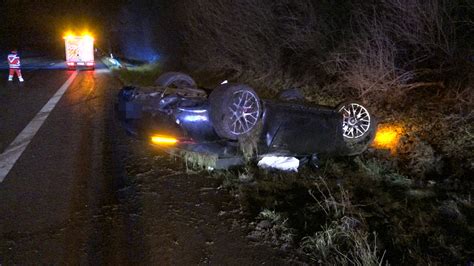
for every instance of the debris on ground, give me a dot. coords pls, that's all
(289, 164)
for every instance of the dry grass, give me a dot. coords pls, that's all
(331, 244)
(144, 75)
(344, 239)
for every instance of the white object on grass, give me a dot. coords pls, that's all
(224, 82)
(114, 62)
(280, 162)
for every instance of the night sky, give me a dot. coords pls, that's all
(120, 26)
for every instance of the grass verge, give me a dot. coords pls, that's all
(144, 75)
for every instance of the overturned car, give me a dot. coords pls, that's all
(231, 122)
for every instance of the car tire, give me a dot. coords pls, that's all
(176, 79)
(358, 127)
(235, 110)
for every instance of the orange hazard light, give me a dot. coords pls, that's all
(163, 140)
(388, 136)
(85, 35)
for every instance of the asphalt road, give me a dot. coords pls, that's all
(63, 170)
(83, 193)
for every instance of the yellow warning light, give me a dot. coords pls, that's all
(163, 140)
(388, 136)
(87, 35)
(68, 36)
(71, 35)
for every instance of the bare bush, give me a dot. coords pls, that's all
(395, 47)
(235, 36)
(269, 43)
(379, 51)
(425, 26)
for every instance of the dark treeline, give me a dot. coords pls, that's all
(383, 45)
(40, 25)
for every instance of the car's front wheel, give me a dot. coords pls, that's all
(235, 110)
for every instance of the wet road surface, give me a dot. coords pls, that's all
(84, 193)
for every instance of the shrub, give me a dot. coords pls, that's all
(397, 47)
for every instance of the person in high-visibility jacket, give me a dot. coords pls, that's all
(15, 66)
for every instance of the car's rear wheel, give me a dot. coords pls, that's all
(235, 110)
(358, 126)
(176, 79)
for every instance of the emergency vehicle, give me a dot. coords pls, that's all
(79, 51)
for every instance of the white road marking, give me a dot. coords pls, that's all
(9, 157)
(101, 71)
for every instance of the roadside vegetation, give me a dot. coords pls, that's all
(410, 61)
(143, 75)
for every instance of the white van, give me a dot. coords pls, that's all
(79, 51)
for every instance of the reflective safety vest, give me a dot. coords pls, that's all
(14, 61)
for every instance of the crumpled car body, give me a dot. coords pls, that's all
(232, 115)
